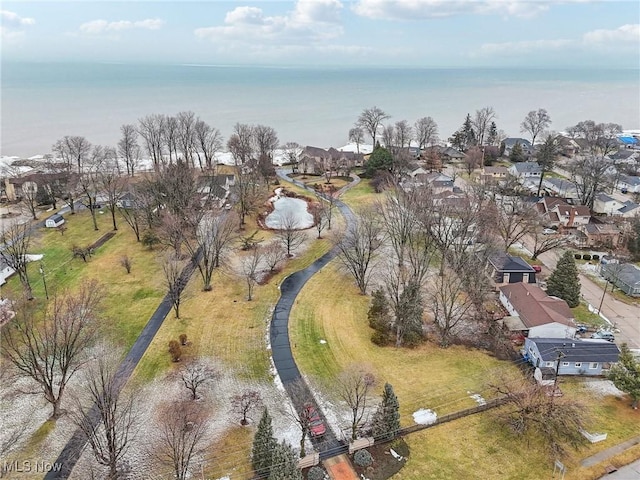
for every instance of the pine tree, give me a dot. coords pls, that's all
(379, 318)
(469, 132)
(492, 138)
(625, 375)
(409, 316)
(263, 446)
(284, 465)
(633, 241)
(517, 154)
(563, 282)
(386, 420)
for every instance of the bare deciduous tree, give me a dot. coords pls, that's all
(175, 282)
(128, 148)
(195, 375)
(51, 350)
(214, 235)
(125, 262)
(186, 136)
(111, 183)
(426, 132)
(359, 246)
(30, 198)
(105, 415)
(370, 119)
(356, 135)
(244, 403)
(352, 386)
(16, 240)
(180, 436)
(273, 254)
(536, 122)
(209, 142)
(532, 411)
(514, 218)
(289, 233)
(481, 122)
(450, 305)
(473, 159)
(590, 175)
(151, 129)
(249, 269)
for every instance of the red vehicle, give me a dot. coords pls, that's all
(316, 425)
(536, 268)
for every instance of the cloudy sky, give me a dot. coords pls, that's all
(573, 33)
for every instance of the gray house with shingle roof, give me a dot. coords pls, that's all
(506, 268)
(625, 276)
(578, 357)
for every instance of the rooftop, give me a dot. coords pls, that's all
(535, 307)
(576, 350)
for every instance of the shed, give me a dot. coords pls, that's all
(54, 221)
(511, 269)
(625, 276)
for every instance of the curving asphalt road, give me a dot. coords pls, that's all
(294, 384)
(73, 449)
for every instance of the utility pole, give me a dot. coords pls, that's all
(560, 356)
(44, 281)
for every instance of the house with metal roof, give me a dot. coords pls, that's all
(571, 357)
(505, 268)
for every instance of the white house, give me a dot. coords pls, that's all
(526, 171)
(603, 203)
(54, 221)
(5, 272)
(629, 183)
(536, 314)
(629, 209)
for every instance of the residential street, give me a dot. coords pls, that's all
(625, 317)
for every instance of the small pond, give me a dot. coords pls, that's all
(283, 207)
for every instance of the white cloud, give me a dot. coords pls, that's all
(421, 9)
(625, 33)
(102, 26)
(310, 22)
(615, 39)
(12, 27)
(11, 19)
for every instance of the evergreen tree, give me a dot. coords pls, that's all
(386, 420)
(625, 375)
(409, 316)
(563, 282)
(492, 138)
(379, 318)
(517, 154)
(380, 159)
(263, 446)
(284, 465)
(469, 132)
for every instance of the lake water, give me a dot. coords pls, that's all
(42, 102)
(285, 206)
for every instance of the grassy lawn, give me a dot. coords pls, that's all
(582, 315)
(428, 375)
(310, 180)
(361, 195)
(129, 299)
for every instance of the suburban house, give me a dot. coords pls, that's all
(629, 183)
(625, 276)
(526, 171)
(315, 160)
(509, 143)
(505, 268)
(607, 205)
(451, 155)
(559, 213)
(599, 234)
(54, 221)
(216, 188)
(5, 272)
(126, 200)
(14, 186)
(575, 357)
(568, 146)
(629, 209)
(534, 313)
(560, 187)
(499, 172)
(624, 155)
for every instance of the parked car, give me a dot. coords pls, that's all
(549, 231)
(582, 329)
(604, 336)
(536, 268)
(316, 425)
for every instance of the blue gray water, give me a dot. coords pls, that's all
(289, 212)
(42, 102)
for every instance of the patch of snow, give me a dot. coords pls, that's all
(603, 387)
(478, 398)
(323, 341)
(425, 416)
(365, 148)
